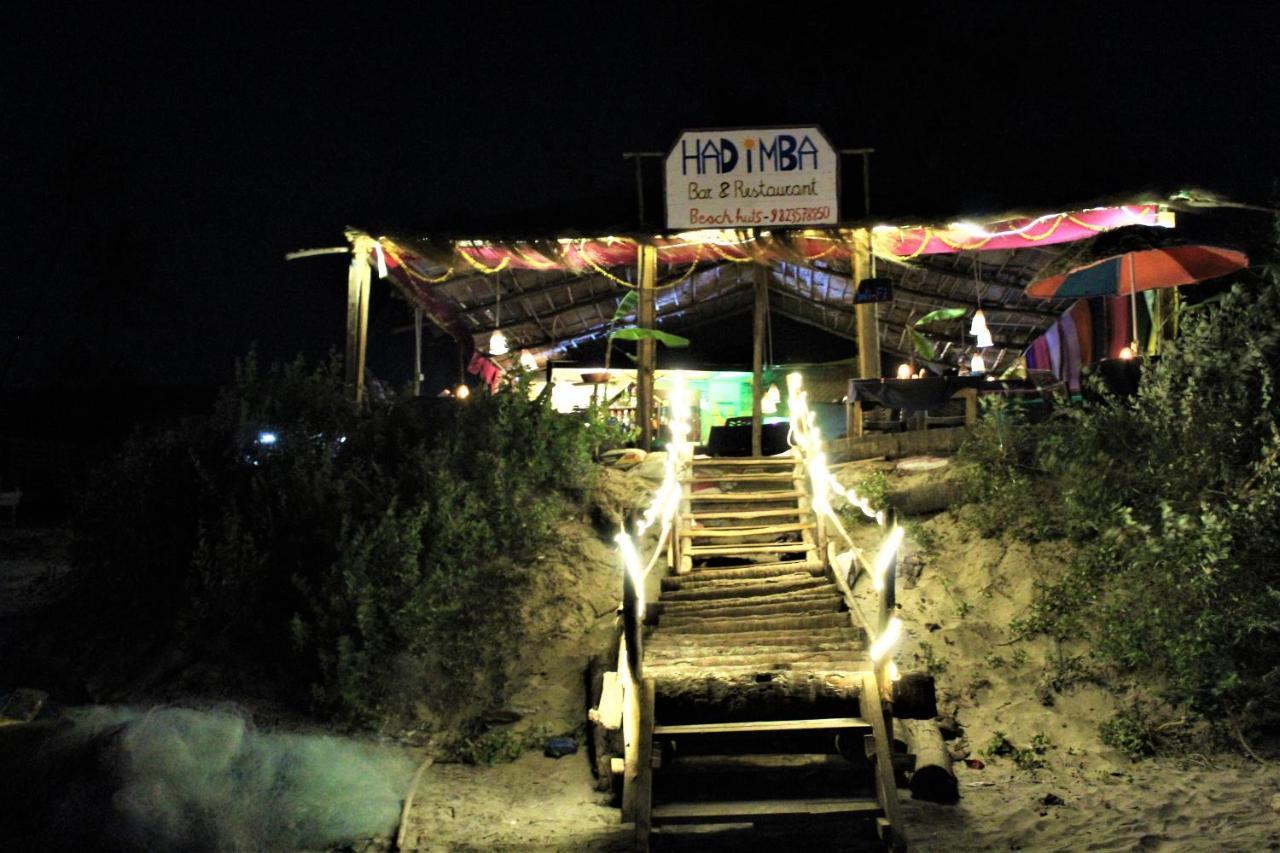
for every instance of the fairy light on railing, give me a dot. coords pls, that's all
(666, 501)
(888, 551)
(887, 640)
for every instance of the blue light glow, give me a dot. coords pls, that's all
(266, 438)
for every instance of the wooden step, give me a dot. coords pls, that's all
(745, 460)
(700, 575)
(753, 530)
(841, 660)
(741, 624)
(743, 515)
(761, 811)
(735, 588)
(742, 478)
(843, 634)
(749, 653)
(732, 550)
(678, 612)
(745, 497)
(823, 724)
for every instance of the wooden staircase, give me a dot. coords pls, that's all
(765, 707)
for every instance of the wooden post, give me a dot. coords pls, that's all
(358, 276)
(865, 314)
(646, 349)
(970, 406)
(757, 356)
(417, 352)
(644, 760)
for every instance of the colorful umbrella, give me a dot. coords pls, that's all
(1145, 270)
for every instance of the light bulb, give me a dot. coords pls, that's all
(462, 392)
(984, 338)
(976, 365)
(904, 371)
(527, 361)
(1126, 353)
(497, 343)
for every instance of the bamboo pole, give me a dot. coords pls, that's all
(760, 316)
(646, 349)
(358, 276)
(417, 352)
(865, 314)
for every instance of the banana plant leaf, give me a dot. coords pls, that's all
(634, 333)
(626, 305)
(941, 314)
(923, 345)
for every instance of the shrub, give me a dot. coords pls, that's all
(1172, 502)
(373, 558)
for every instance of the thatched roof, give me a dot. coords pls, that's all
(555, 294)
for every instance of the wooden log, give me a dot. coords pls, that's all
(744, 515)
(751, 587)
(747, 570)
(844, 633)
(914, 697)
(933, 778)
(704, 696)
(927, 494)
(797, 622)
(755, 530)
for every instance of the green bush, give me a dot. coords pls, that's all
(1171, 500)
(375, 558)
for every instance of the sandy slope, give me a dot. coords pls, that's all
(967, 591)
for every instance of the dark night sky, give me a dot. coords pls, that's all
(159, 165)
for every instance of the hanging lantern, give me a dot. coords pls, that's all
(979, 324)
(904, 371)
(976, 365)
(984, 338)
(497, 343)
(527, 361)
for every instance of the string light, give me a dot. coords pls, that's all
(462, 392)
(887, 640)
(888, 551)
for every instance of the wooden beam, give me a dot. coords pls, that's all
(417, 351)
(646, 349)
(759, 317)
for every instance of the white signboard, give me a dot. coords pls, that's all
(769, 178)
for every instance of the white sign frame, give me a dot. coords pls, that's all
(786, 176)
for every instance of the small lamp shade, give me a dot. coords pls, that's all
(527, 361)
(976, 365)
(497, 344)
(978, 327)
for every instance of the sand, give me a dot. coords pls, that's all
(1087, 796)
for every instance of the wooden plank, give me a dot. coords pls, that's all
(823, 724)
(772, 548)
(721, 532)
(886, 788)
(742, 515)
(752, 811)
(740, 497)
(784, 459)
(611, 701)
(778, 477)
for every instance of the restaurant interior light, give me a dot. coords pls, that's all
(904, 371)
(984, 338)
(1126, 353)
(462, 392)
(769, 402)
(498, 343)
(976, 365)
(527, 361)
(978, 325)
